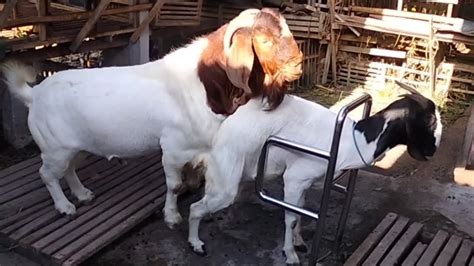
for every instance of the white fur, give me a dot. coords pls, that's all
(119, 112)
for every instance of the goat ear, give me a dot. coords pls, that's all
(413, 142)
(240, 59)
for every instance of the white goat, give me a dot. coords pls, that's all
(412, 120)
(176, 103)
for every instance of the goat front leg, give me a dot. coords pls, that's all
(298, 241)
(173, 183)
(210, 203)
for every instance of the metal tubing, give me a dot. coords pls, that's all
(339, 188)
(328, 181)
(345, 210)
(341, 117)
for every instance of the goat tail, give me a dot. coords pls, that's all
(16, 76)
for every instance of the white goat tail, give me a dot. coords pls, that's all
(16, 75)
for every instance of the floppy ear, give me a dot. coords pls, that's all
(413, 142)
(240, 59)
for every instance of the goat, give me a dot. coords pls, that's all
(412, 120)
(174, 104)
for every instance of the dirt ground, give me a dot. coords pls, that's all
(250, 232)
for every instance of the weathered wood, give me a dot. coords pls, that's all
(386, 242)
(134, 203)
(6, 12)
(396, 254)
(332, 19)
(327, 61)
(433, 249)
(129, 187)
(146, 22)
(447, 255)
(374, 51)
(363, 251)
(414, 255)
(89, 25)
(464, 253)
(5, 174)
(114, 233)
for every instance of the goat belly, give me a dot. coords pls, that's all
(122, 117)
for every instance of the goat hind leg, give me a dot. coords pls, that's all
(54, 168)
(77, 188)
(298, 241)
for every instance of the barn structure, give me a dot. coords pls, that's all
(429, 44)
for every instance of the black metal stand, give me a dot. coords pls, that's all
(329, 182)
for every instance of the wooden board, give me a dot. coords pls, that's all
(392, 242)
(124, 196)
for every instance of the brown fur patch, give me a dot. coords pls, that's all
(193, 177)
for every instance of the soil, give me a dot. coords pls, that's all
(250, 232)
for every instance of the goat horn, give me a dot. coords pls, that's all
(408, 88)
(245, 19)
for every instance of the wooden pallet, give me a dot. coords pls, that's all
(125, 195)
(396, 242)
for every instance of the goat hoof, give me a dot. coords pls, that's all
(200, 252)
(301, 248)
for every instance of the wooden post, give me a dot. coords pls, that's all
(89, 25)
(332, 13)
(400, 5)
(42, 12)
(327, 62)
(432, 59)
(155, 10)
(449, 12)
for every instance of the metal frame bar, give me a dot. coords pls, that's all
(329, 182)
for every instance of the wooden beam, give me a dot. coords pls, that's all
(42, 12)
(7, 10)
(74, 16)
(332, 19)
(374, 51)
(89, 24)
(151, 15)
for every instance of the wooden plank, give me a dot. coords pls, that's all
(464, 253)
(42, 11)
(5, 173)
(89, 25)
(396, 254)
(372, 240)
(151, 15)
(414, 255)
(114, 233)
(53, 215)
(6, 12)
(374, 51)
(447, 255)
(387, 242)
(62, 227)
(20, 177)
(100, 214)
(29, 187)
(433, 249)
(134, 203)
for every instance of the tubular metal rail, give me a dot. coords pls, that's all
(329, 182)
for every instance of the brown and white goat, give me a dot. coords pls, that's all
(175, 104)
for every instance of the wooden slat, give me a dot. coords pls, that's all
(414, 255)
(387, 241)
(151, 15)
(464, 253)
(113, 186)
(396, 254)
(50, 217)
(372, 240)
(433, 249)
(5, 173)
(84, 215)
(114, 233)
(447, 255)
(134, 203)
(89, 25)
